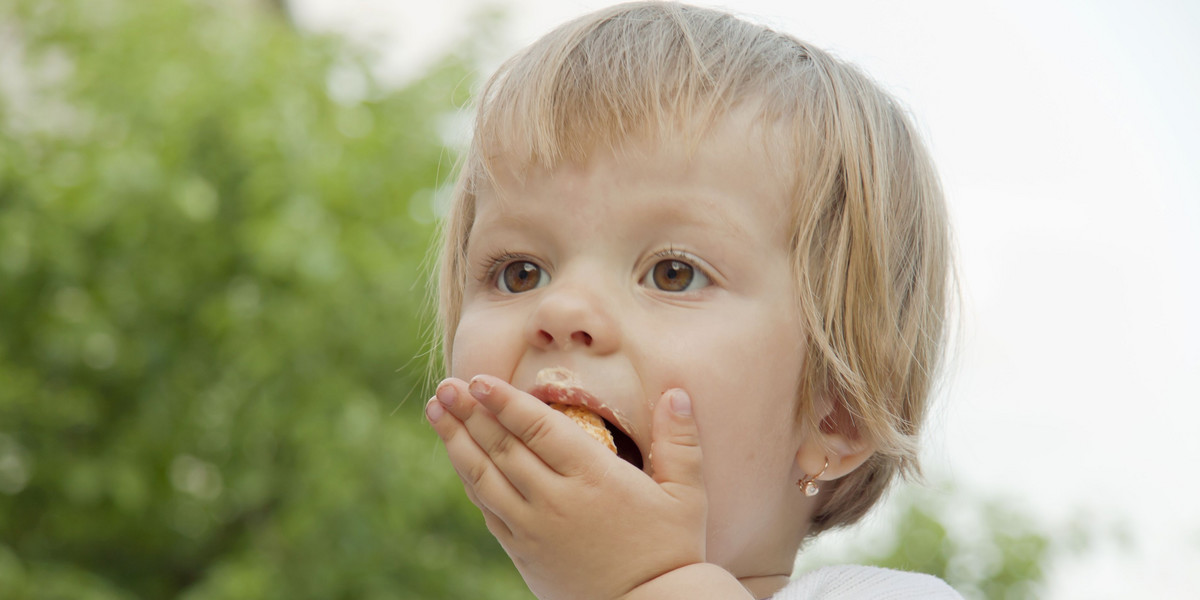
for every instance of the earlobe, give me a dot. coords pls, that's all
(809, 484)
(836, 450)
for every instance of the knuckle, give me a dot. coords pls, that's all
(501, 444)
(685, 438)
(537, 431)
(477, 475)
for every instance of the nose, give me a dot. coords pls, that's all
(573, 316)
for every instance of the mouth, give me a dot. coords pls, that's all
(559, 386)
(627, 449)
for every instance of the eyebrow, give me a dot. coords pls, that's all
(692, 209)
(682, 207)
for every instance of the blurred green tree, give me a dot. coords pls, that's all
(985, 547)
(212, 232)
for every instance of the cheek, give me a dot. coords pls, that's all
(753, 395)
(751, 350)
(484, 342)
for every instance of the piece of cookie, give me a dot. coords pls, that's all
(590, 422)
(557, 384)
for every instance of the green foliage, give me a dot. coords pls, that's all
(984, 548)
(212, 232)
(1004, 562)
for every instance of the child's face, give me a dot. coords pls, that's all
(647, 272)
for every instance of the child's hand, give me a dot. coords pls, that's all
(577, 521)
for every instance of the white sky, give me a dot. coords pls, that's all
(1068, 137)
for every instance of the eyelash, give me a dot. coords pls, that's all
(672, 254)
(680, 256)
(686, 257)
(493, 264)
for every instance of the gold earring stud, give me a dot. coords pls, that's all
(809, 484)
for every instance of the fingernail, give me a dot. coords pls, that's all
(446, 394)
(681, 403)
(434, 411)
(479, 387)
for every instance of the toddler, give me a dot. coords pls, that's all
(737, 247)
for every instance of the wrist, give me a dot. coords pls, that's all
(697, 581)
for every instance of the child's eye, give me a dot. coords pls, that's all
(521, 276)
(674, 275)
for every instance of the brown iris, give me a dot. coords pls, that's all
(673, 275)
(521, 276)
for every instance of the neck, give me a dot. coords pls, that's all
(763, 586)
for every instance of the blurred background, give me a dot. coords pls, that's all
(214, 228)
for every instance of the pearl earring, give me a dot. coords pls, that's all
(809, 484)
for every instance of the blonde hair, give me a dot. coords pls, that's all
(870, 245)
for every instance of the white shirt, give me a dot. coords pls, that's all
(856, 582)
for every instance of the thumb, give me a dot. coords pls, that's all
(675, 455)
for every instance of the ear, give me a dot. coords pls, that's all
(838, 441)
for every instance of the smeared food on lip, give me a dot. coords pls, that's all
(563, 391)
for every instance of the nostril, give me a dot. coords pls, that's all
(582, 337)
(546, 337)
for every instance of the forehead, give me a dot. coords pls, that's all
(734, 178)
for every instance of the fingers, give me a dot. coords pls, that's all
(485, 484)
(675, 456)
(507, 450)
(494, 523)
(546, 432)
(448, 427)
